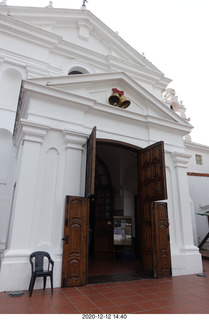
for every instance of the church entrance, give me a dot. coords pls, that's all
(113, 254)
(119, 230)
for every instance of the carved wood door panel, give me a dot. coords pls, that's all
(152, 170)
(152, 187)
(147, 241)
(162, 239)
(75, 241)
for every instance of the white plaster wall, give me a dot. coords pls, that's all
(193, 149)
(198, 188)
(199, 192)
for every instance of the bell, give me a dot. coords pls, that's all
(114, 99)
(124, 102)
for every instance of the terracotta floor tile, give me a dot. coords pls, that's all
(92, 311)
(131, 308)
(86, 307)
(142, 291)
(43, 302)
(20, 310)
(43, 310)
(60, 301)
(104, 303)
(148, 305)
(138, 299)
(79, 300)
(121, 301)
(97, 296)
(113, 310)
(65, 309)
(88, 291)
(177, 309)
(105, 290)
(151, 296)
(129, 293)
(3, 309)
(163, 302)
(72, 292)
(111, 295)
(158, 311)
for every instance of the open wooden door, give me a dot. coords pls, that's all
(152, 171)
(152, 187)
(161, 239)
(90, 164)
(75, 241)
(76, 226)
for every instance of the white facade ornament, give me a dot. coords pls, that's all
(50, 5)
(84, 4)
(170, 98)
(3, 3)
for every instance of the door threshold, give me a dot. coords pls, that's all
(118, 277)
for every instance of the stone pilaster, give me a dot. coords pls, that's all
(75, 149)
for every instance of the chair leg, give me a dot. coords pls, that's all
(44, 282)
(51, 277)
(32, 282)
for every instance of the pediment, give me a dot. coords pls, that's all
(98, 88)
(81, 28)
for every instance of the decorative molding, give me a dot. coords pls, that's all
(75, 140)
(180, 159)
(31, 131)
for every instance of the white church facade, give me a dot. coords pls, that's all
(88, 144)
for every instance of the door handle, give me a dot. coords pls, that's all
(66, 239)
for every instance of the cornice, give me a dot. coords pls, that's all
(11, 26)
(140, 71)
(196, 146)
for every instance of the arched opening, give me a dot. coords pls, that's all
(74, 72)
(77, 70)
(112, 251)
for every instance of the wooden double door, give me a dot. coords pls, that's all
(152, 218)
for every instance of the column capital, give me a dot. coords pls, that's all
(74, 139)
(180, 159)
(31, 131)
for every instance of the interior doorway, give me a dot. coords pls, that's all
(124, 205)
(114, 252)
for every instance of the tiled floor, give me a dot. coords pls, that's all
(177, 295)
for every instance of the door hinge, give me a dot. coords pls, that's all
(168, 237)
(66, 222)
(66, 239)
